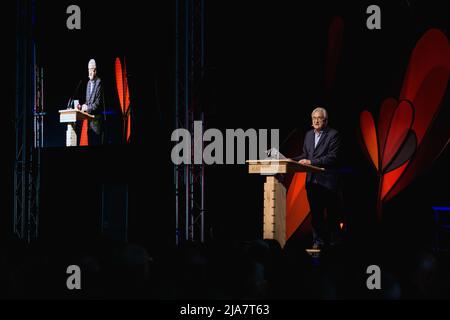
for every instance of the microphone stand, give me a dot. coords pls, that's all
(71, 97)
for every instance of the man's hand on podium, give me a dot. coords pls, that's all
(83, 107)
(305, 161)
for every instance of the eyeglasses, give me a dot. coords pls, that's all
(318, 118)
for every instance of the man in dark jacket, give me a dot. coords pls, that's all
(321, 148)
(94, 104)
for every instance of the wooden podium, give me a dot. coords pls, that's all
(275, 193)
(71, 116)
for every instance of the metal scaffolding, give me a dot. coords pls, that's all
(28, 123)
(189, 179)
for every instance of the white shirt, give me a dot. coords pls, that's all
(317, 136)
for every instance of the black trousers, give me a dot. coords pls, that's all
(325, 212)
(94, 138)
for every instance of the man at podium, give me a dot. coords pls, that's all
(94, 105)
(321, 148)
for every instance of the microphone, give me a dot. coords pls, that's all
(71, 97)
(287, 138)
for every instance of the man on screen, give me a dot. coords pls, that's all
(94, 105)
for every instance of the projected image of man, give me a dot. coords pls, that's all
(94, 104)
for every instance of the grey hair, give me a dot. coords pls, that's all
(320, 109)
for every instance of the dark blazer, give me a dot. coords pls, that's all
(326, 155)
(95, 104)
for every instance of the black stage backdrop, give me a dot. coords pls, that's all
(265, 69)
